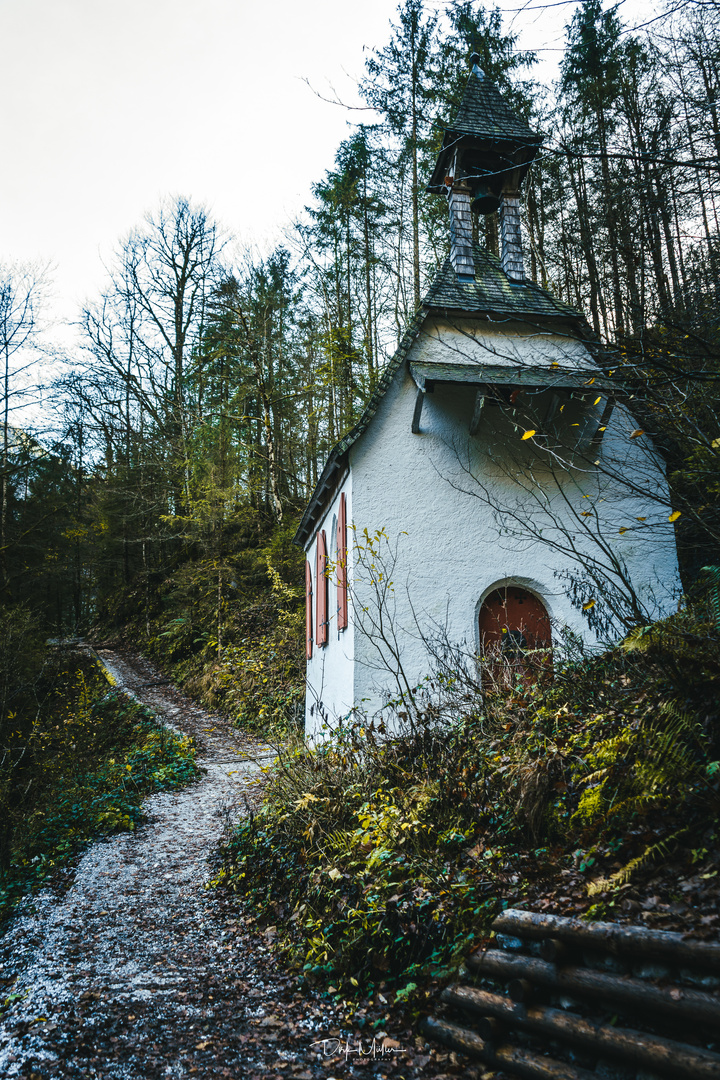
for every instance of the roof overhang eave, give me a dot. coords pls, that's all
(333, 466)
(574, 318)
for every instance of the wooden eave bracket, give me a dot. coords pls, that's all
(424, 386)
(604, 420)
(417, 412)
(477, 412)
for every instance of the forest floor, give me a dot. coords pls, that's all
(131, 968)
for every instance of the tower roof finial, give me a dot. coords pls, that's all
(475, 65)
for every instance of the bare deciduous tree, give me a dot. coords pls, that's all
(23, 287)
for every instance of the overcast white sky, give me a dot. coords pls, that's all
(107, 107)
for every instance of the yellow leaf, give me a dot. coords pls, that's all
(554, 364)
(590, 382)
(590, 604)
(586, 513)
(638, 431)
(642, 519)
(715, 444)
(603, 428)
(529, 434)
(334, 874)
(623, 530)
(675, 515)
(597, 400)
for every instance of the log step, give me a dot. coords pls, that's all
(651, 1051)
(501, 1027)
(610, 937)
(618, 991)
(512, 1058)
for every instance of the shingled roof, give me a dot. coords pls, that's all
(491, 294)
(484, 112)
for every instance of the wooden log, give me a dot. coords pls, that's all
(467, 1042)
(513, 1059)
(610, 937)
(652, 1051)
(619, 991)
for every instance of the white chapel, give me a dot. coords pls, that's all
(496, 487)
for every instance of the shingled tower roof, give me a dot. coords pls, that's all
(484, 112)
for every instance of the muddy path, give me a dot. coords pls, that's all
(138, 970)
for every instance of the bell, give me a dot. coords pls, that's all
(485, 201)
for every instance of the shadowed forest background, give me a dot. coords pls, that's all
(191, 426)
(213, 383)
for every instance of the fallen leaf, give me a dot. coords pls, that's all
(637, 433)
(529, 434)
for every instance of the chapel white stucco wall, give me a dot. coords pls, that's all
(330, 670)
(453, 548)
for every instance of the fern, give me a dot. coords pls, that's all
(711, 579)
(337, 842)
(650, 854)
(668, 755)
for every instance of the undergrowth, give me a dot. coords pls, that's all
(381, 859)
(79, 770)
(245, 658)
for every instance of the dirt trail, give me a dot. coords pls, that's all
(138, 971)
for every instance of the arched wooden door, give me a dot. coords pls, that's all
(515, 636)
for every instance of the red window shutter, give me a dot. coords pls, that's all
(342, 581)
(321, 590)
(308, 611)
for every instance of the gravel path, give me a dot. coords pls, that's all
(139, 971)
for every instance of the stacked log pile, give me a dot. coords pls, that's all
(572, 1000)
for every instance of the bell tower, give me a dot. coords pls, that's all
(486, 152)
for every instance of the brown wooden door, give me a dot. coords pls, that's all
(515, 636)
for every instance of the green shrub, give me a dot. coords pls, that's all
(382, 859)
